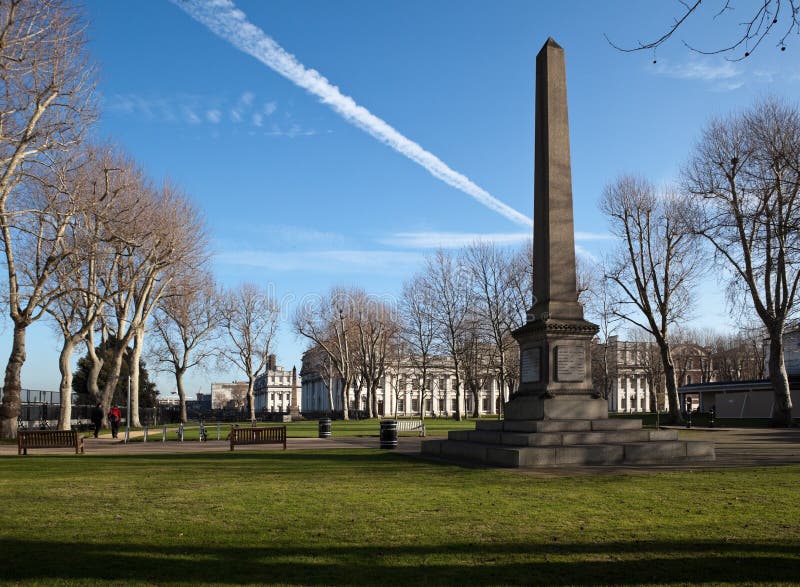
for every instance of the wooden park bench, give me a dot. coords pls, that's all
(268, 435)
(48, 439)
(411, 425)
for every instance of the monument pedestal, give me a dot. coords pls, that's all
(528, 407)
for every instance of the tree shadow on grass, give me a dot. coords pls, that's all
(613, 563)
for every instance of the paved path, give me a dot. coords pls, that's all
(736, 447)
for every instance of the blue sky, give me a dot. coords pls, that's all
(299, 198)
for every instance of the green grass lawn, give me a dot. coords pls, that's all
(375, 517)
(309, 429)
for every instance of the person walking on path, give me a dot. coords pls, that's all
(114, 417)
(97, 418)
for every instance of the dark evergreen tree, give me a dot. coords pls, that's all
(147, 389)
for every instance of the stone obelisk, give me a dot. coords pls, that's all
(555, 362)
(554, 418)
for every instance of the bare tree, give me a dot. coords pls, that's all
(186, 322)
(376, 327)
(45, 86)
(520, 282)
(478, 356)
(598, 300)
(654, 267)
(745, 172)
(163, 237)
(79, 278)
(249, 317)
(647, 357)
(445, 277)
(419, 329)
(753, 23)
(491, 271)
(329, 322)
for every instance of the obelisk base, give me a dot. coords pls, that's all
(570, 407)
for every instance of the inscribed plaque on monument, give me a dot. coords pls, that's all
(530, 361)
(570, 362)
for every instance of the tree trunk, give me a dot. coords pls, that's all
(345, 399)
(65, 387)
(251, 405)
(502, 382)
(459, 417)
(330, 396)
(111, 386)
(675, 414)
(181, 394)
(375, 413)
(133, 370)
(96, 364)
(782, 414)
(10, 406)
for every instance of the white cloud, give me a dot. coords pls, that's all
(455, 240)
(452, 240)
(224, 19)
(709, 70)
(193, 109)
(342, 262)
(191, 117)
(288, 235)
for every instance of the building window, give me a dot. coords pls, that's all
(415, 383)
(415, 405)
(401, 405)
(428, 406)
(486, 402)
(453, 405)
(442, 384)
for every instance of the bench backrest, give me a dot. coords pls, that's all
(44, 438)
(408, 425)
(48, 439)
(268, 435)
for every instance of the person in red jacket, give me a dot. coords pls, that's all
(114, 417)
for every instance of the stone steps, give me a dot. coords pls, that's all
(561, 438)
(652, 452)
(604, 424)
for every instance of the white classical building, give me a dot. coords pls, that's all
(272, 390)
(399, 393)
(629, 390)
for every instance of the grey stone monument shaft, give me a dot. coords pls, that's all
(555, 360)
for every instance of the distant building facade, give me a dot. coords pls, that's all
(400, 393)
(229, 395)
(634, 382)
(272, 390)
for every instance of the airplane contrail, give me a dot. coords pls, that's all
(225, 20)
